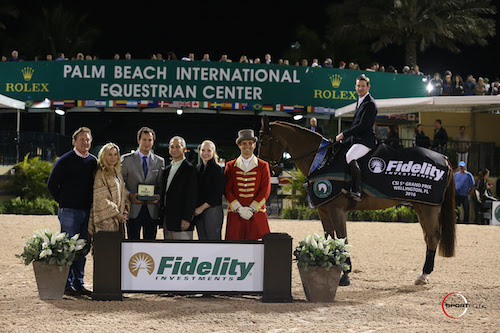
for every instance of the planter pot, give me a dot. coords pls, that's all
(319, 284)
(50, 280)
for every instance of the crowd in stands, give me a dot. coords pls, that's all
(451, 85)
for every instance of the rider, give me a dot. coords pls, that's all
(361, 134)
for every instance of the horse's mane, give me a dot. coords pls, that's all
(297, 127)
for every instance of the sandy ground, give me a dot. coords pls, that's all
(382, 298)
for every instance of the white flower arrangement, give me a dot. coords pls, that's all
(318, 250)
(52, 248)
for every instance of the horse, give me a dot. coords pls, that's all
(437, 221)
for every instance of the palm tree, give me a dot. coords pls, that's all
(414, 24)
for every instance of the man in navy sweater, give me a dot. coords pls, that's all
(71, 184)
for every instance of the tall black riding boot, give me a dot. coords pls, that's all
(356, 180)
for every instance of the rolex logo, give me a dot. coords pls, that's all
(140, 261)
(27, 73)
(335, 79)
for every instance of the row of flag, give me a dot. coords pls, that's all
(194, 105)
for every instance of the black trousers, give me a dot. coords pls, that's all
(143, 220)
(464, 201)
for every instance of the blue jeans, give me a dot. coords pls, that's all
(75, 221)
(463, 200)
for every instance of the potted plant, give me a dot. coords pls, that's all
(52, 254)
(321, 260)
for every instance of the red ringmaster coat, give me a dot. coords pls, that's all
(247, 187)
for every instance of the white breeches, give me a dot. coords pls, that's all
(356, 152)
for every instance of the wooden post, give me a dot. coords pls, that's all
(107, 266)
(277, 268)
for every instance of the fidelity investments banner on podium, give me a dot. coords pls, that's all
(154, 81)
(148, 266)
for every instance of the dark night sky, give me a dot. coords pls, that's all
(250, 28)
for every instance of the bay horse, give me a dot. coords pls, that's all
(437, 221)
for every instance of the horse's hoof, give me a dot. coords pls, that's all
(421, 280)
(344, 280)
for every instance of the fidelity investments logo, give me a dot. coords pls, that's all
(178, 268)
(27, 86)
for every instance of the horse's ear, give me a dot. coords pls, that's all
(265, 123)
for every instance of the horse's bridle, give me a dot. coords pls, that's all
(274, 164)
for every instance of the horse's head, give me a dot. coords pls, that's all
(270, 148)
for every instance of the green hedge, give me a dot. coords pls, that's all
(38, 206)
(31, 177)
(393, 214)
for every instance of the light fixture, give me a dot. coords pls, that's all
(429, 88)
(59, 112)
(180, 111)
(298, 117)
(45, 104)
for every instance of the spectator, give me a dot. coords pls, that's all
(79, 56)
(352, 65)
(437, 85)
(495, 87)
(315, 127)
(341, 64)
(447, 86)
(416, 70)
(484, 187)
(280, 61)
(116, 56)
(462, 145)
(480, 88)
(14, 56)
(304, 63)
(440, 137)
(391, 69)
(128, 56)
(244, 59)
(206, 57)
(458, 86)
(421, 140)
(469, 85)
(315, 63)
(406, 70)
(374, 67)
(256, 61)
(464, 182)
(487, 85)
(286, 62)
(89, 57)
(267, 59)
(209, 213)
(392, 138)
(60, 57)
(171, 56)
(48, 57)
(223, 58)
(4, 58)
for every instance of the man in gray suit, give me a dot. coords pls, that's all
(143, 167)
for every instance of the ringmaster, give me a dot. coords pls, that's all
(248, 184)
(71, 184)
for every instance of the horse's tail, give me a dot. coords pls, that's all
(447, 221)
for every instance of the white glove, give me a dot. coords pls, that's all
(245, 213)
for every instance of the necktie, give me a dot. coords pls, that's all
(145, 165)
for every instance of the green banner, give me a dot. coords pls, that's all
(226, 85)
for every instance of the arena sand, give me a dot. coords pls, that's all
(382, 298)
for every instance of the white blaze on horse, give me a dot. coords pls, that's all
(437, 221)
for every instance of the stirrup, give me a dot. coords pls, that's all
(355, 195)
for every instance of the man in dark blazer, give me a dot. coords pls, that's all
(361, 133)
(315, 127)
(143, 167)
(181, 193)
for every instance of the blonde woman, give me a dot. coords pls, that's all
(209, 213)
(110, 203)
